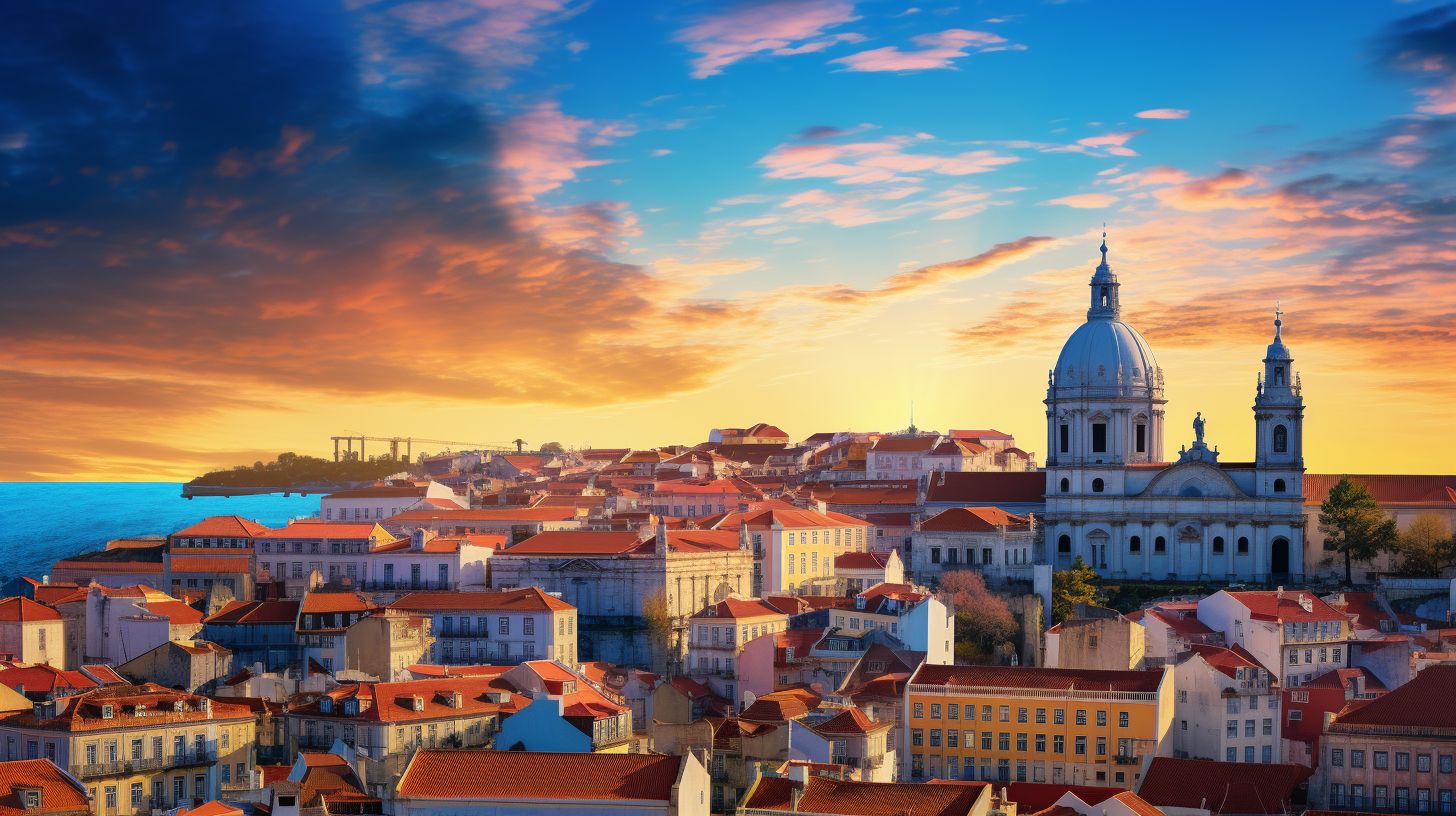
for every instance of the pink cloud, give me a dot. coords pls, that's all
(877, 162)
(1085, 201)
(545, 148)
(1440, 99)
(1163, 113)
(935, 51)
(775, 27)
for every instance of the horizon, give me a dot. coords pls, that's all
(234, 233)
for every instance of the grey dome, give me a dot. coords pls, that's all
(1097, 353)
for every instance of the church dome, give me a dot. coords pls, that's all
(1106, 357)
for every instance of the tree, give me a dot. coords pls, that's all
(1427, 547)
(983, 619)
(1354, 525)
(1070, 587)
(553, 447)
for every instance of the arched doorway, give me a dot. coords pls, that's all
(1279, 560)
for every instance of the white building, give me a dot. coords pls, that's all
(999, 545)
(1227, 707)
(379, 502)
(1295, 634)
(918, 619)
(1114, 501)
(363, 555)
(716, 635)
(496, 627)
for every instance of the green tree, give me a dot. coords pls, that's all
(553, 447)
(1427, 547)
(1354, 525)
(983, 619)
(1070, 587)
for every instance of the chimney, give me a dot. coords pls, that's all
(744, 540)
(1279, 593)
(661, 538)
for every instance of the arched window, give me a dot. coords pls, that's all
(1243, 545)
(1279, 486)
(1218, 544)
(1066, 485)
(1281, 439)
(1097, 485)
(1160, 544)
(1279, 375)
(1104, 296)
(1064, 544)
(1134, 544)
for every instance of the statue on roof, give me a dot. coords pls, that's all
(1198, 428)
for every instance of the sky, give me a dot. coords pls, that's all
(229, 230)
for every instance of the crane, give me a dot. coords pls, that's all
(408, 441)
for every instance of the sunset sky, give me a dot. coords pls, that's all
(228, 230)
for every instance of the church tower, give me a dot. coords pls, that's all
(1279, 421)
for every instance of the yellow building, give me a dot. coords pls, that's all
(793, 548)
(32, 632)
(1006, 723)
(136, 748)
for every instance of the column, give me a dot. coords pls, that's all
(1147, 550)
(1230, 544)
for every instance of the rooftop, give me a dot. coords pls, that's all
(1030, 677)
(538, 775)
(1227, 788)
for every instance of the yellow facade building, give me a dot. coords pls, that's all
(1006, 723)
(794, 548)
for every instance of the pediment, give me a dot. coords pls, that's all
(577, 565)
(1194, 480)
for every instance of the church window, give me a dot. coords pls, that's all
(1104, 296)
(1064, 544)
(1135, 544)
(1279, 375)
(1066, 485)
(1243, 545)
(1099, 437)
(1218, 544)
(1160, 544)
(1279, 486)
(1097, 485)
(1281, 439)
(1142, 438)
(1065, 434)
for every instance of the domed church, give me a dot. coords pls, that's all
(1114, 501)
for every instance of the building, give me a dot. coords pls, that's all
(496, 627)
(1112, 499)
(1403, 497)
(1226, 788)
(693, 499)
(794, 548)
(257, 632)
(135, 748)
(516, 523)
(124, 623)
(563, 712)
(921, 455)
(1095, 638)
(36, 787)
(1295, 634)
(917, 618)
(999, 545)
(194, 666)
(386, 642)
(323, 620)
(633, 592)
(32, 632)
(717, 634)
(1172, 628)
(379, 502)
(1393, 753)
(1228, 707)
(1303, 710)
(816, 794)
(364, 555)
(518, 783)
(997, 723)
(857, 571)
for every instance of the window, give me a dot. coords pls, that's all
(919, 710)
(953, 711)
(1248, 753)
(111, 797)
(1005, 713)
(1066, 485)
(503, 625)
(136, 794)
(1248, 728)
(1279, 486)
(1059, 745)
(1064, 434)
(1268, 727)
(934, 556)
(1382, 760)
(1266, 754)
(1232, 728)
(1097, 485)
(1141, 432)
(1058, 716)
(1081, 716)
(1079, 745)
(951, 735)
(1003, 741)
(935, 711)
(1218, 544)
(1135, 544)
(1122, 719)
(1101, 715)
(1357, 758)
(528, 626)
(986, 713)
(1402, 761)
(1064, 544)
(1041, 743)
(1021, 713)
(1337, 757)
(1446, 763)
(1041, 715)
(935, 738)
(1281, 440)
(1160, 544)
(1243, 545)
(1231, 754)
(1099, 437)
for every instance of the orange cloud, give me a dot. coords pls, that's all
(1085, 201)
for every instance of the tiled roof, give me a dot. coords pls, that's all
(824, 795)
(222, 527)
(986, 487)
(781, 513)
(898, 592)
(1035, 677)
(378, 492)
(780, 706)
(715, 487)
(1186, 625)
(209, 563)
(43, 678)
(1136, 804)
(59, 593)
(1031, 797)
(530, 599)
(24, 610)
(1340, 679)
(861, 560)
(577, 542)
(256, 612)
(175, 611)
(60, 793)
(538, 775)
(973, 520)
(1285, 606)
(772, 793)
(980, 433)
(850, 495)
(325, 602)
(851, 721)
(1227, 660)
(394, 702)
(905, 444)
(1227, 788)
(85, 711)
(737, 608)
(103, 673)
(1425, 701)
(213, 808)
(1387, 488)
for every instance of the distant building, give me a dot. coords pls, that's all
(1303, 710)
(1180, 785)
(257, 632)
(855, 572)
(386, 642)
(717, 634)
(999, 545)
(1228, 707)
(36, 787)
(794, 548)
(496, 627)
(379, 502)
(1096, 638)
(195, 666)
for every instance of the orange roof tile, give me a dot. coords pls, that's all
(736, 608)
(24, 610)
(1035, 677)
(973, 520)
(209, 563)
(1222, 787)
(1285, 606)
(222, 527)
(538, 775)
(530, 599)
(325, 602)
(60, 793)
(824, 795)
(323, 530)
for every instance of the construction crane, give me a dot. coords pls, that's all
(408, 442)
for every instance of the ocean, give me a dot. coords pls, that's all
(41, 522)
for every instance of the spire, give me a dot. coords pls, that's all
(1278, 322)
(1104, 287)
(1104, 246)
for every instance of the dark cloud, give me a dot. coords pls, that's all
(820, 132)
(1425, 41)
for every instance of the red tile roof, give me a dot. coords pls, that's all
(861, 560)
(986, 487)
(1227, 660)
(577, 542)
(1285, 606)
(776, 512)
(222, 527)
(43, 678)
(1340, 679)
(736, 608)
(465, 518)
(325, 602)
(175, 611)
(1186, 625)
(1388, 489)
(538, 775)
(780, 706)
(60, 793)
(973, 520)
(378, 492)
(1227, 788)
(256, 612)
(59, 593)
(824, 795)
(24, 610)
(530, 599)
(213, 808)
(852, 721)
(980, 433)
(1031, 797)
(1425, 701)
(209, 563)
(1035, 677)
(905, 444)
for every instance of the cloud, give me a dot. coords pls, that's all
(1425, 44)
(933, 51)
(766, 27)
(820, 132)
(918, 281)
(1163, 113)
(897, 159)
(1085, 201)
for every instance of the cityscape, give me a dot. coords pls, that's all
(496, 407)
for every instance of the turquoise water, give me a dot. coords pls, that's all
(41, 522)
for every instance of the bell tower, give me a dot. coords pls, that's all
(1279, 420)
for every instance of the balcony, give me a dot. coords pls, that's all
(1126, 759)
(130, 766)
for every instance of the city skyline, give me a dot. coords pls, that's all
(625, 224)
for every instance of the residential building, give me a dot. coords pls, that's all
(1075, 800)
(861, 743)
(36, 787)
(563, 713)
(1393, 753)
(1403, 497)
(364, 555)
(1236, 789)
(760, 433)
(516, 523)
(323, 620)
(854, 572)
(1227, 708)
(916, 617)
(999, 545)
(519, 783)
(1304, 709)
(257, 632)
(379, 502)
(496, 627)
(1018, 493)
(1095, 637)
(216, 533)
(821, 795)
(32, 632)
(124, 623)
(717, 634)
(1002, 723)
(693, 499)
(1294, 633)
(1172, 628)
(794, 549)
(194, 666)
(136, 748)
(385, 642)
